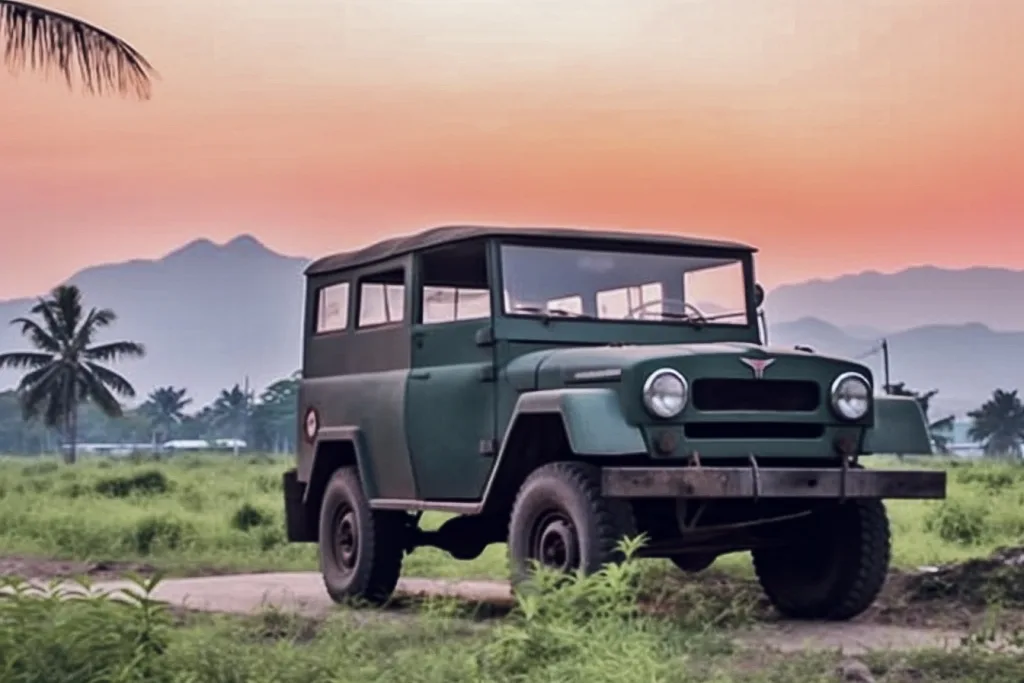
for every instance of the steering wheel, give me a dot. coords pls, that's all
(697, 314)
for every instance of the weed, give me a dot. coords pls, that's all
(146, 483)
(248, 517)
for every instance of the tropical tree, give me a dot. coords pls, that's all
(941, 429)
(274, 416)
(999, 423)
(39, 39)
(231, 412)
(165, 410)
(66, 368)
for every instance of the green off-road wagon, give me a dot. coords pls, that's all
(558, 389)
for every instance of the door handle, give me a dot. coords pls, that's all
(419, 374)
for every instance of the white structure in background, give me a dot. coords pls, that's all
(175, 446)
(200, 445)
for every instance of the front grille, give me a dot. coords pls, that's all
(754, 430)
(787, 395)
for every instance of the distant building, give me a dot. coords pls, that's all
(173, 446)
(200, 445)
(960, 443)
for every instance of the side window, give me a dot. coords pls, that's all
(332, 308)
(447, 304)
(382, 298)
(454, 283)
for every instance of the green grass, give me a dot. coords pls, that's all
(217, 512)
(586, 631)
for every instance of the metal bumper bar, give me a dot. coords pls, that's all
(764, 482)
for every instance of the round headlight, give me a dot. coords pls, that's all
(665, 393)
(851, 396)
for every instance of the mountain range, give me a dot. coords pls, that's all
(214, 315)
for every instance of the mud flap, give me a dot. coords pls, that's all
(296, 529)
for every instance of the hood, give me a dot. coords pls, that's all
(552, 368)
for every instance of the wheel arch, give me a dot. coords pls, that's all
(585, 424)
(335, 447)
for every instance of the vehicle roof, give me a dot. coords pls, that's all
(404, 244)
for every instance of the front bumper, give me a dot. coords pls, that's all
(754, 482)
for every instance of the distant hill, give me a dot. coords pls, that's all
(911, 298)
(208, 314)
(212, 314)
(964, 362)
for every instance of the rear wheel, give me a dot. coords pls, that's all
(561, 521)
(836, 565)
(361, 549)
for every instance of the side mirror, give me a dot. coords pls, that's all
(758, 295)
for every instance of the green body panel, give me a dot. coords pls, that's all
(373, 404)
(553, 368)
(450, 410)
(592, 418)
(900, 428)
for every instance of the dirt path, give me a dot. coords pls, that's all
(303, 592)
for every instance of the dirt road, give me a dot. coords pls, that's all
(304, 593)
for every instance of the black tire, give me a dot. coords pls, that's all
(560, 506)
(361, 549)
(837, 568)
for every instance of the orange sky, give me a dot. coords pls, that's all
(835, 135)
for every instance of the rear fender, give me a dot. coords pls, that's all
(900, 428)
(340, 447)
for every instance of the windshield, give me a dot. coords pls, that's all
(615, 285)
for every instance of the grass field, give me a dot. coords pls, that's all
(587, 631)
(195, 513)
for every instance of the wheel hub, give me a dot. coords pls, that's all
(346, 540)
(557, 544)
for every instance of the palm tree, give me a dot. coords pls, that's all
(274, 416)
(165, 410)
(999, 423)
(232, 410)
(67, 369)
(36, 38)
(940, 429)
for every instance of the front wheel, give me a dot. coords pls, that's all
(561, 521)
(836, 565)
(361, 549)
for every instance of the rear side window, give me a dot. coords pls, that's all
(332, 308)
(382, 298)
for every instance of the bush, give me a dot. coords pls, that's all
(158, 533)
(957, 522)
(249, 517)
(145, 483)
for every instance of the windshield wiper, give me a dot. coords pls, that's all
(550, 314)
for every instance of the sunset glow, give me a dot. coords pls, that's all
(836, 136)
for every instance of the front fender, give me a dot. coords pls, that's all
(592, 418)
(900, 428)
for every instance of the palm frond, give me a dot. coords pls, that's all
(93, 388)
(66, 303)
(47, 309)
(25, 359)
(43, 40)
(111, 379)
(114, 351)
(45, 386)
(39, 337)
